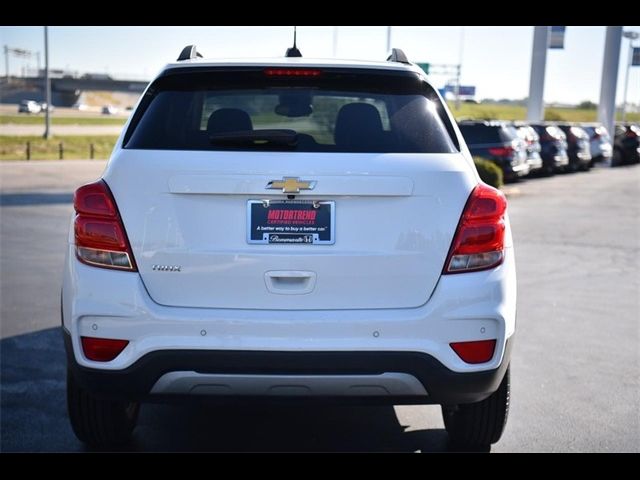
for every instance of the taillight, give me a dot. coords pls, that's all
(479, 240)
(630, 134)
(102, 349)
(100, 237)
(480, 351)
(502, 151)
(292, 72)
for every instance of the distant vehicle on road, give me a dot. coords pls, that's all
(578, 147)
(498, 142)
(29, 106)
(600, 143)
(553, 147)
(44, 107)
(626, 144)
(109, 110)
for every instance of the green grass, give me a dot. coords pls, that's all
(39, 120)
(516, 112)
(75, 147)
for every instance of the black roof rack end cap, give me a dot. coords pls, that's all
(397, 55)
(188, 53)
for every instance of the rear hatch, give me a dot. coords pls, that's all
(200, 180)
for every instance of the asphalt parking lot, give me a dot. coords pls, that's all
(575, 370)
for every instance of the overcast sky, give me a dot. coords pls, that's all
(494, 59)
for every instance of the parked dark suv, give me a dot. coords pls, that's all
(578, 147)
(626, 145)
(498, 142)
(553, 144)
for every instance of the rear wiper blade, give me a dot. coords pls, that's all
(280, 137)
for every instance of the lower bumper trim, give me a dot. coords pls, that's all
(194, 383)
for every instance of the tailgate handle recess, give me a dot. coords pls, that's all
(290, 282)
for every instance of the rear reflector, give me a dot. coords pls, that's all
(102, 349)
(292, 72)
(480, 351)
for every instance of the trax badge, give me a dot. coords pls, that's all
(291, 185)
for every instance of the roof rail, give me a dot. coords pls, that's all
(397, 55)
(188, 53)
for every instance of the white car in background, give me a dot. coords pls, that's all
(29, 106)
(289, 227)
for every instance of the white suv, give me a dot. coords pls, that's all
(289, 228)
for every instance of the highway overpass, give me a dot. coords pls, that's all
(65, 91)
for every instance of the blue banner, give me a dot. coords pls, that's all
(556, 37)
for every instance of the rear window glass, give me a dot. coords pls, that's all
(329, 112)
(555, 132)
(509, 133)
(480, 134)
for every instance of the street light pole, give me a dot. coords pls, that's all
(47, 85)
(6, 62)
(631, 36)
(457, 92)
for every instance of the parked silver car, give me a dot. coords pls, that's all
(599, 142)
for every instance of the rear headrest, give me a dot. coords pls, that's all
(358, 127)
(225, 120)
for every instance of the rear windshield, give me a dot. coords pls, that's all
(322, 111)
(479, 134)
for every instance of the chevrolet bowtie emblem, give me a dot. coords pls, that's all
(291, 185)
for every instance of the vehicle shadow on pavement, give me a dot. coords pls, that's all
(34, 416)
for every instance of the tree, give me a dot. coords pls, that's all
(587, 105)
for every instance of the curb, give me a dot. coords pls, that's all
(511, 191)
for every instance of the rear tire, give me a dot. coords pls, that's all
(99, 422)
(475, 426)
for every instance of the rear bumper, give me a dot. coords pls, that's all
(535, 162)
(520, 170)
(442, 385)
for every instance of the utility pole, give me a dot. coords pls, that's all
(457, 92)
(47, 85)
(535, 104)
(607, 104)
(631, 36)
(6, 62)
(335, 41)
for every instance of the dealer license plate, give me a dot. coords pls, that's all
(291, 222)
